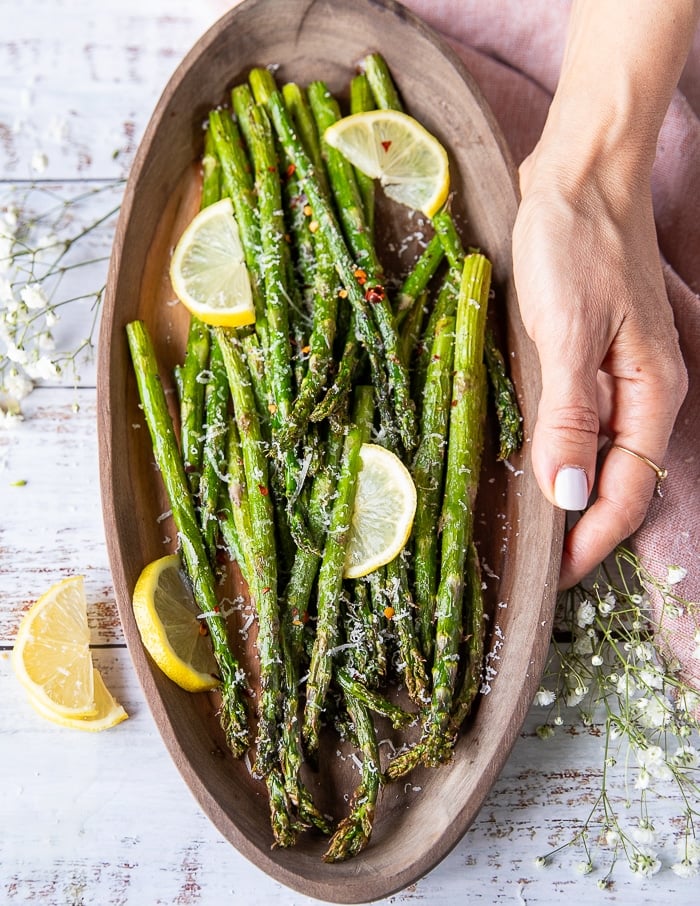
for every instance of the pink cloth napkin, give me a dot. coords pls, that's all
(514, 52)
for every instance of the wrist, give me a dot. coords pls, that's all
(579, 155)
(621, 64)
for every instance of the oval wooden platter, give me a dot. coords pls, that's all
(519, 534)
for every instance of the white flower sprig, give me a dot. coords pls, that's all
(51, 257)
(609, 663)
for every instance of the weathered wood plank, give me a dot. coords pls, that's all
(51, 527)
(79, 87)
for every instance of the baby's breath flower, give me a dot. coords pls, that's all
(655, 711)
(584, 868)
(644, 651)
(675, 574)
(615, 729)
(686, 868)
(541, 861)
(685, 756)
(597, 660)
(585, 614)
(16, 353)
(644, 832)
(690, 848)
(612, 837)
(574, 696)
(10, 416)
(545, 697)
(650, 755)
(687, 701)
(652, 677)
(34, 296)
(643, 779)
(17, 386)
(43, 368)
(626, 685)
(644, 862)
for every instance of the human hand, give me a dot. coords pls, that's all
(592, 298)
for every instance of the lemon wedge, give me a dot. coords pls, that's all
(208, 270)
(108, 711)
(382, 517)
(51, 658)
(394, 148)
(51, 655)
(171, 629)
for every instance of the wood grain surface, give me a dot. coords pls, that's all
(107, 818)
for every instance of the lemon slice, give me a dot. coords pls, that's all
(208, 270)
(382, 518)
(171, 630)
(394, 148)
(51, 655)
(108, 711)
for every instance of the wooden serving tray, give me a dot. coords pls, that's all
(518, 532)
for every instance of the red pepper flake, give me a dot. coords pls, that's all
(386, 145)
(360, 276)
(263, 490)
(203, 628)
(305, 350)
(266, 590)
(291, 169)
(374, 294)
(388, 612)
(305, 617)
(272, 169)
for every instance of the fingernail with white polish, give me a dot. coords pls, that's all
(571, 488)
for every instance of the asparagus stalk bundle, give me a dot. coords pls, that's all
(265, 468)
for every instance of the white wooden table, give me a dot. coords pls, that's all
(106, 818)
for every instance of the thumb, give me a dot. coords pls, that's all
(565, 439)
